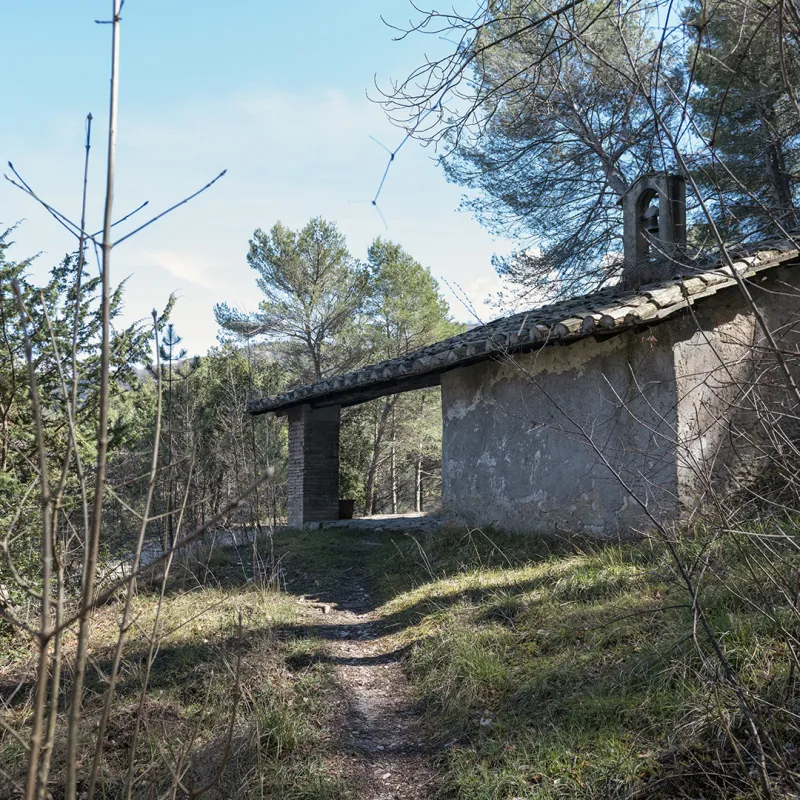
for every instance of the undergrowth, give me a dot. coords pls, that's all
(543, 668)
(549, 669)
(281, 746)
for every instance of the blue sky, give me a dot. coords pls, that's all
(274, 92)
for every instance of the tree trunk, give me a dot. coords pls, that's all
(393, 463)
(203, 500)
(418, 464)
(418, 481)
(776, 170)
(4, 445)
(380, 428)
(168, 534)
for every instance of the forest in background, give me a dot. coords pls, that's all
(212, 450)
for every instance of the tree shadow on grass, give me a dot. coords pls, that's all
(522, 695)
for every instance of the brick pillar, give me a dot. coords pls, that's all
(313, 465)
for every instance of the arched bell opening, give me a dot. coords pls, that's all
(647, 216)
(654, 216)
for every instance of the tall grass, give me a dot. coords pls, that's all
(575, 669)
(211, 619)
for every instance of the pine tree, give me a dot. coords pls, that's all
(746, 115)
(313, 294)
(406, 312)
(544, 110)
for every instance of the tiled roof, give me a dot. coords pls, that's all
(606, 311)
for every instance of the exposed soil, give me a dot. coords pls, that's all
(382, 747)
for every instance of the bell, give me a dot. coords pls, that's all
(650, 218)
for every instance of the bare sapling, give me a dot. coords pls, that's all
(66, 728)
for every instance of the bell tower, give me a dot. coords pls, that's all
(654, 215)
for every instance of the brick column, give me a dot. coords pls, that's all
(313, 465)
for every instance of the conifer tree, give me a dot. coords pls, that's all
(406, 312)
(313, 294)
(175, 371)
(749, 171)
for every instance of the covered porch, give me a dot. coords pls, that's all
(314, 420)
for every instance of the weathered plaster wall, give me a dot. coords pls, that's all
(714, 371)
(731, 397)
(517, 437)
(687, 406)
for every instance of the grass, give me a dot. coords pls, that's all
(282, 744)
(548, 670)
(543, 669)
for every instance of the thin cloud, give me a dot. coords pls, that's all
(183, 266)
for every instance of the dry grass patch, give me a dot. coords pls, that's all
(554, 670)
(205, 657)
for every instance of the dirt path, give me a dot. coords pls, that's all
(378, 727)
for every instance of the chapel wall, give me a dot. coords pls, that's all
(514, 456)
(687, 406)
(734, 406)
